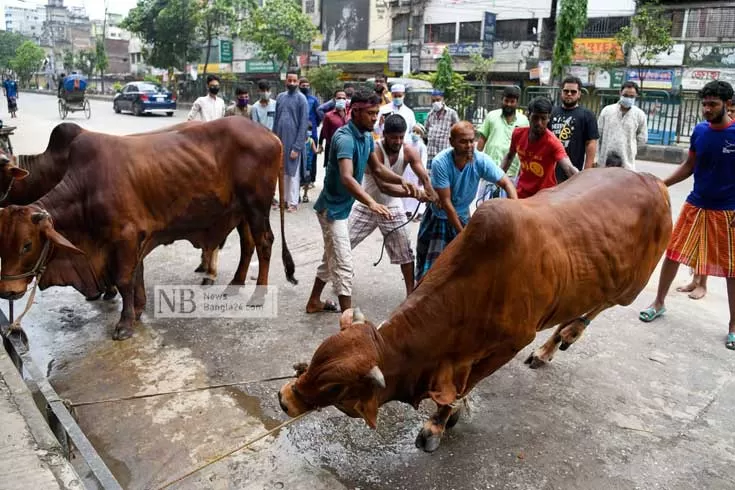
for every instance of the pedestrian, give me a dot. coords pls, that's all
(704, 233)
(398, 156)
(330, 105)
(333, 120)
(455, 175)
(208, 107)
(495, 135)
(351, 151)
(264, 111)
(623, 127)
(308, 164)
(576, 127)
(418, 142)
(290, 125)
(438, 124)
(539, 151)
(10, 87)
(396, 106)
(381, 88)
(239, 106)
(315, 118)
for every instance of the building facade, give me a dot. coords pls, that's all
(25, 21)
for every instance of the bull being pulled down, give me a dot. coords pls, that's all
(520, 266)
(126, 195)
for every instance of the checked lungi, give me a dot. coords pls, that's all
(363, 222)
(704, 240)
(434, 236)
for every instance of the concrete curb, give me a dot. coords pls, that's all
(179, 105)
(47, 449)
(663, 154)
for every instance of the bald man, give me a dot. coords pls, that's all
(455, 175)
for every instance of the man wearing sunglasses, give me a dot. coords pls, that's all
(576, 128)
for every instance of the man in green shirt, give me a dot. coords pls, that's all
(496, 131)
(350, 153)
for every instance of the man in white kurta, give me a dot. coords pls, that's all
(623, 127)
(396, 106)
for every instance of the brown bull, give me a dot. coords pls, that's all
(125, 196)
(519, 267)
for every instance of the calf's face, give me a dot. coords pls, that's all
(9, 173)
(27, 239)
(344, 372)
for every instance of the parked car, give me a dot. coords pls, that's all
(144, 97)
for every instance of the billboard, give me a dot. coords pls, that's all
(346, 25)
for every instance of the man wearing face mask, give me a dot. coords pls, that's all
(623, 127)
(264, 111)
(396, 106)
(240, 106)
(330, 105)
(315, 119)
(333, 120)
(208, 107)
(439, 123)
(290, 125)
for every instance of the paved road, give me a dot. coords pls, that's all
(628, 406)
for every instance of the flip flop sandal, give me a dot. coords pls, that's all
(730, 343)
(329, 306)
(650, 314)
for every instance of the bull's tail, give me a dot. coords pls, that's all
(288, 262)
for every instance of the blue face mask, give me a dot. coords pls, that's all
(415, 138)
(340, 103)
(398, 102)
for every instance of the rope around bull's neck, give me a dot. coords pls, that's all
(385, 237)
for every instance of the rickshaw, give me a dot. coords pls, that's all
(5, 132)
(72, 96)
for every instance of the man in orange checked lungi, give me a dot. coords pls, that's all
(704, 235)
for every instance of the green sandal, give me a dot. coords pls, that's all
(730, 342)
(650, 314)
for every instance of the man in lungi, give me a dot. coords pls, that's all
(455, 175)
(351, 151)
(396, 155)
(704, 235)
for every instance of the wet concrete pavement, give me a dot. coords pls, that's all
(630, 405)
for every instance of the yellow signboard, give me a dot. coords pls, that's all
(604, 49)
(215, 68)
(363, 56)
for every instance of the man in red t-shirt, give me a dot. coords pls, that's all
(538, 150)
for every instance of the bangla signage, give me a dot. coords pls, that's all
(706, 54)
(603, 49)
(696, 78)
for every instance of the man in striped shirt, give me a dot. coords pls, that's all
(439, 123)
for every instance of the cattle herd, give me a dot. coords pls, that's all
(88, 210)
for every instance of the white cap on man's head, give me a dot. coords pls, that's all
(398, 87)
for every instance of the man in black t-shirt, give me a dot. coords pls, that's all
(576, 128)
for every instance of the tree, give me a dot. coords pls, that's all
(169, 27)
(325, 80)
(278, 28)
(9, 44)
(648, 36)
(86, 62)
(69, 62)
(480, 68)
(27, 61)
(449, 81)
(101, 62)
(444, 73)
(217, 18)
(571, 22)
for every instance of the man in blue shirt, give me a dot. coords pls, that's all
(455, 175)
(351, 151)
(11, 94)
(704, 234)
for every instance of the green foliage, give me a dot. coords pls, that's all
(325, 80)
(101, 62)
(170, 27)
(571, 22)
(279, 28)
(480, 67)
(217, 18)
(9, 44)
(444, 72)
(86, 62)
(455, 89)
(151, 78)
(648, 36)
(27, 60)
(117, 87)
(69, 62)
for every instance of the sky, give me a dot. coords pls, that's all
(95, 8)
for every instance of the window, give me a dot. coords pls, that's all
(711, 23)
(603, 27)
(469, 32)
(440, 33)
(516, 30)
(309, 7)
(400, 28)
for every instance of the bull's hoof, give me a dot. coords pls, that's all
(110, 294)
(236, 282)
(201, 268)
(122, 332)
(139, 313)
(258, 297)
(94, 298)
(535, 362)
(207, 282)
(427, 441)
(564, 346)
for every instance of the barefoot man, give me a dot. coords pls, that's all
(351, 151)
(704, 234)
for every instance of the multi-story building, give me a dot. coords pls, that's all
(25, 21)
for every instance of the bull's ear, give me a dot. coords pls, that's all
(58, 240)
(368, 410)
(18, 173)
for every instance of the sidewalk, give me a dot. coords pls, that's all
(30, 456)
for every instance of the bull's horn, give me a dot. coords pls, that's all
(37, 217)
(357, 316)
(376, 375)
